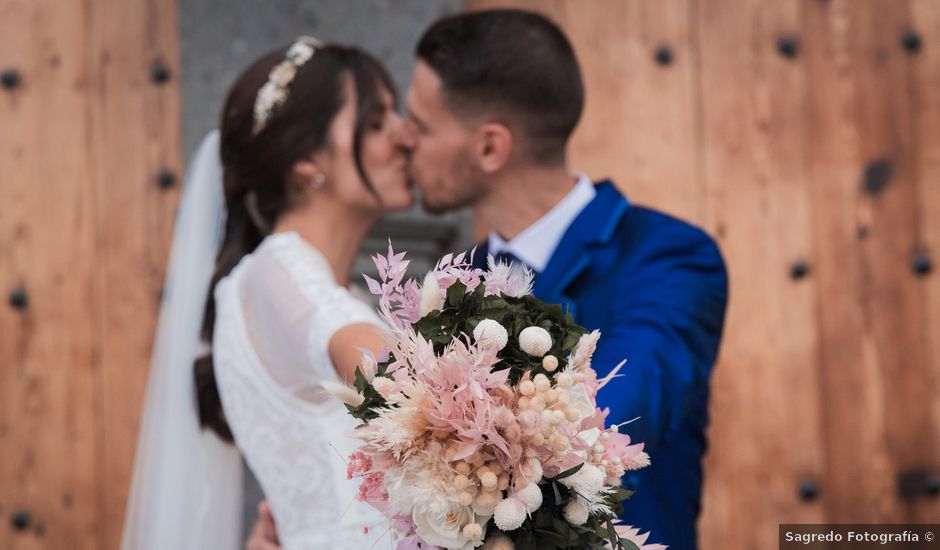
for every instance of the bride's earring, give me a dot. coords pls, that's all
(318, 180)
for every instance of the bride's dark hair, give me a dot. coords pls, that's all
(256, 168)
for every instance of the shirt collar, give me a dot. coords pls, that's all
(536, 244)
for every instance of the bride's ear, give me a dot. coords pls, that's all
(306, 171)
(494, 146)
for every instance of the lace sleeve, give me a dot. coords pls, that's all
(292, 307)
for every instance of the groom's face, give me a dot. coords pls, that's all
(442, 163)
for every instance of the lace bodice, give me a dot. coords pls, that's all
(276, 313)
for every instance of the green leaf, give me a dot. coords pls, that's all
(525, 541)
(628, 545)
(612, 534)
(542, 518)
(544, 536)
(494, 303)
(456, 293)
(361, 382)
(620, 494)
(571, 340)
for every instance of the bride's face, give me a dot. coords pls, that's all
(383, 160)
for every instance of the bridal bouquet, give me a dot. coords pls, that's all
(480, 427)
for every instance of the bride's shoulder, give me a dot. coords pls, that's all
(281, 259)
(290, 251)
(285, 259)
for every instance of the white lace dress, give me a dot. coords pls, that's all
(276, 313)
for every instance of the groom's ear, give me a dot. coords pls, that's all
(493, 147)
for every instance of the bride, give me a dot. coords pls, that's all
(310, 161)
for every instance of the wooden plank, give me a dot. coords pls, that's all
(873, 362)
(924, 70)
(640, 122)
(765, 437)
(47, 444)
(137, 132)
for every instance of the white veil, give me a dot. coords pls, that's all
(186, 492)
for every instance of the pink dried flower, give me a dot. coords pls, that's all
(371, 489)
(453, 268)
(359, 464)
(398, 303)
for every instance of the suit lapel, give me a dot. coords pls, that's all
(595, 225)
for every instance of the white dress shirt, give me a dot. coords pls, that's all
(536, 244)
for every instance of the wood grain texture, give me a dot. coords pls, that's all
(137, 132)
(84, 228)
(765, 438)
(873, 361)
(639, 124)
(48, 460)
(924, 90)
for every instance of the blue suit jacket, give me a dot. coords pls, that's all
(656, 288)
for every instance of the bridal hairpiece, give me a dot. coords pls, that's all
(274, 91)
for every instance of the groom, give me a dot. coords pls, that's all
(493, 100)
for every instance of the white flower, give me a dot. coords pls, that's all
(536, 341)
(587, 482)
(576, 512)
(510, 514)
(430, 295)
(579, 399)
(530, 496)
(422, 488)
(343, 392)
(489, 333)
(441, 523)
(508, 279)
(591, 436)
(534, 470)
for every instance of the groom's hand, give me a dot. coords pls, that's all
(264, 534)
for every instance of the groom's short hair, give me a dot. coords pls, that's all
(510, 63)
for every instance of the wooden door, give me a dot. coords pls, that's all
(89, 118)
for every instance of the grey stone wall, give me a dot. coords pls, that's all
(220, 37)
